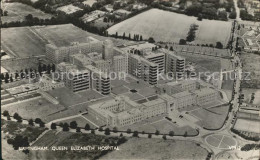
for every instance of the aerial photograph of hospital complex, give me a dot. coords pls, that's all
(130, 79)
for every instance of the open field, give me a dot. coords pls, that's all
(251, 65)
(89, 2)
(18, 11)
(171, 27)
(69, 9)
(211, 118)
(247, 125)
(139, 148)
(31, 41)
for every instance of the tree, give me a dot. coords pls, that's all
(121, 140)
(16, 115)
(233, 15)
(107, 131)
(151, 40)
(19, 119)
(53, 126)
(129, 37)
(40, 69)
(53, 68)
(29, 18)
(100, 129)
(171, 133)
(87, 127)
(78, 130)
(219, 45)
(48, 69)
(115, 130)
(6, 78)
(5, 113)
(149, 135)
(65, 127)
(128, 131)
(164, 137)
(2, 76)
(93, 131)
(182, 42)
(124, 35)
(38, 120)
(171, 48)
(44, 68)
(121, 134)
(31, 122)
(135, 134)
(5, 13)
(8, 117)
(157, 132)
(141, 38)
(73, 125)
(11, 78)
(185, 134)
(116, 35)
(42, 124)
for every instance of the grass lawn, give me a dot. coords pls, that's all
(160, 124)
(247, 125)
(18, 11)
(38, 108)
(212, 118)
(80, 121)
(67, 98)
(171, 27)
(140, 148)
(66, 139)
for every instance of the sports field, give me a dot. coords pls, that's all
(18, 11)
(22, 42)
(31, 41)
(220, 141)
(171, 27)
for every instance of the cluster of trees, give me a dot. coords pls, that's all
(252, 138)
(46, 68)
(136, 37)
(6, 77)
(249, 147)
(209, 9)
(27, 73)
(19, 141)
(244, 15)
(192, 33)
